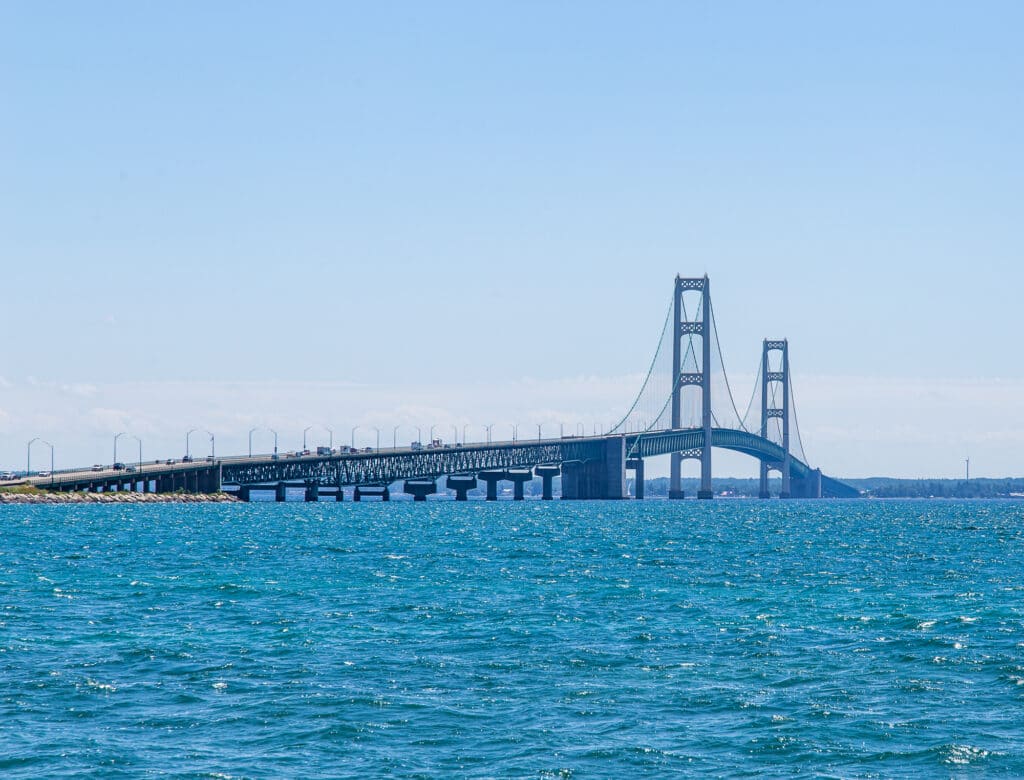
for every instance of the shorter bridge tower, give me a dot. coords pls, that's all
(770, 408)
(701, 378)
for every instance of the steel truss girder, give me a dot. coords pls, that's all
(691, 284)
(385, 468)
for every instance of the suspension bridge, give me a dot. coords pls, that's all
(685, 408)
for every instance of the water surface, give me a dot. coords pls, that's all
(561, 639)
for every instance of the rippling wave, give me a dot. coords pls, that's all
(583, 639)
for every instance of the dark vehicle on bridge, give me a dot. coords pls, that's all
(118, 466)
(186, 459)
(323, 451)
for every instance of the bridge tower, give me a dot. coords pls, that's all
(769, 409)
(701, 378)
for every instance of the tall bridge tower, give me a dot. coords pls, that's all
(702, 378)
(771, 383)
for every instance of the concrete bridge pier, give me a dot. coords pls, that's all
(675, 491)
(312, 492)
(371, 490)
(244, 493)
(461, 484)
(213, 479)
(340, 495)
(519, 478)
(763, 491)
(571, 471)
(420, 488)
(547, 475)
(637, 465)
(808, 487)
(281, 492)
(492, 478)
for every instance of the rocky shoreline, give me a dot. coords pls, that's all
(115, 498)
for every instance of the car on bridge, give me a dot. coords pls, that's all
(7, 475)
(118, 466)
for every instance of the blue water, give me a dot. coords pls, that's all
(583, 639)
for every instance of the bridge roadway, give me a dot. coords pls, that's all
(591, 466)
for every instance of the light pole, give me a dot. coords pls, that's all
(28, 456)
(188, 435)
(118, 436)
(455, 434)
(581, 429)
(432, 433)
(251, 432)
(44, 441)
(464, 433)
(275, 441)
(419, 434)
(394, 437)
(213, 452)
(330, 437)
(304, 432)
(352, 442)
(378, 437)
(488, 427)
(140, 457)
(515, 431)
(538, 431)
(561, 430)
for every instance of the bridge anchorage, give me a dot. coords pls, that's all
(685, 408)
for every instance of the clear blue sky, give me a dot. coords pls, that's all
(408, 194)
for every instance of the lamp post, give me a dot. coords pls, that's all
(275, 441)
(419, 434)
(581, 429)
(140, 458)
(251, 432)
(44, 441)
(432, 433)
(455, 434)
(116, 437)
(304, 432)
(213, 452)
(378, 437)
(515, 431)
(394, 437)
(352, 441)
(330, 437)
(187, 437)
(488, 428)
(538, 431)
(28, 456)
(464, 427)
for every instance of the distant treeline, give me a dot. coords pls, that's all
(877, 487)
